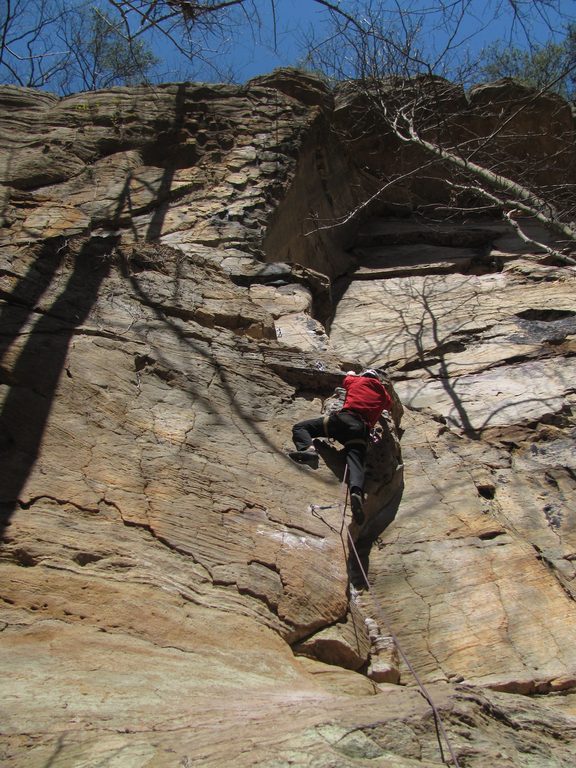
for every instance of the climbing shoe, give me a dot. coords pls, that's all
(357, 504)
(308, 457)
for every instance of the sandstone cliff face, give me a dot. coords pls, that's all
(174, 590)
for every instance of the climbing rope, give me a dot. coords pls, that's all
(342, 504)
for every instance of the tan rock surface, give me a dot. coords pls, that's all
(484, 359)
(165, 320)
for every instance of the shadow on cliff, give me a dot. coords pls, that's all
(33, 378)
(434, 334)
(162, 154)
(170, 163)
(221, 369)
(429, 323)
(419, 322)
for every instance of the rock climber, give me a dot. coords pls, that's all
(366, 398)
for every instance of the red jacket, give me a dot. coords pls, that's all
(367, 397)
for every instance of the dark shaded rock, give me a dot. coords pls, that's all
(302, 86)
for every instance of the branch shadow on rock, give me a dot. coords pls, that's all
(33, 381)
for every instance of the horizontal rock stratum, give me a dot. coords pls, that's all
(181, 281)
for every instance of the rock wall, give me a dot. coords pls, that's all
(174, 590)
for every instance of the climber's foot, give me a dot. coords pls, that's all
(308, 457)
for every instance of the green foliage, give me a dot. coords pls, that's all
(106, 58)
(551, 66)
(68, 46)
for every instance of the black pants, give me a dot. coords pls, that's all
(345, 427)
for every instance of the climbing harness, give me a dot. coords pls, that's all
(375, 436)
(342, 504)
(354, 441)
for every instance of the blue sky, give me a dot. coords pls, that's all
(260, 50)
(484, 22)
(271, 34)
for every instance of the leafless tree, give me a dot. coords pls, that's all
(70, 46)
(197, 30)
(397, 54)
(28, 55)
(406, 60)
(407, 76)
